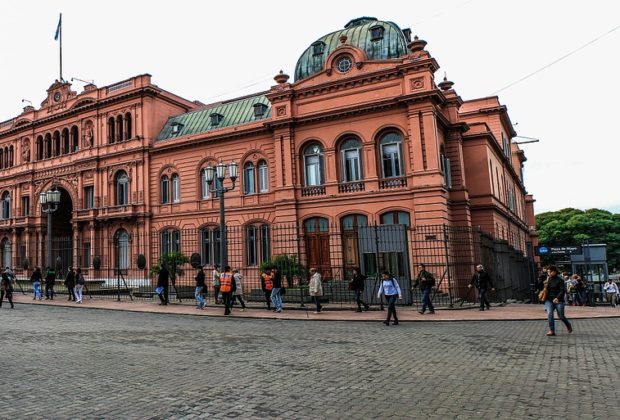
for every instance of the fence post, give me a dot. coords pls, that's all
(445, 248)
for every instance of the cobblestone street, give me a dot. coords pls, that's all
(86, 363)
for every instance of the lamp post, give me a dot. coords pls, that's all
(49, 204)
(219, 172)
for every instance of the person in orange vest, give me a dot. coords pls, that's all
(266, 282)
(227, 287)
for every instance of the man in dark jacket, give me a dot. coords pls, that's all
(556, 288)
(276, 297)
(425, 281)
(70, 283)
(482, 281)
(162, 282)
(50, 282)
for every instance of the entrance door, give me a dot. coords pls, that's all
(316, 231)
(62, 234)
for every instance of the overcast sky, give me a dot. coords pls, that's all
(211, 51)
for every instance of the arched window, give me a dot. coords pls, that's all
(39, 147)
(6, 205)
(313, 164)
(257, 245)
(316, 224)
(165, 189)
(128, 126)
(122, 249)
(65, 141)
(263, 177)
(119, 128)
(75, 139)
(57, 143)
(48, 145)
(350, 153)
(204, 185)
(11, 156)
(6, 157)
(1, 158)
(395, 218)
(122, 188)
(6, 253)
(391, 147)
(111, 134)
(248, 179)
(210, 245)
(170, 241)
(176, 188)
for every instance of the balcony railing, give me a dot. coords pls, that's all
(313, 190)
(390, 183)
(348, 187)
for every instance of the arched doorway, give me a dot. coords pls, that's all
(62, 233)
(316, 231)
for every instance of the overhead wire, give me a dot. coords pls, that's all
(557, 60)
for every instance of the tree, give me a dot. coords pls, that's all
(174, 263)
(573, 226)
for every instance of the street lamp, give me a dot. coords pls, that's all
(49, 204)
(219, 172)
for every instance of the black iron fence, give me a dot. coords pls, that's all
(113, 270)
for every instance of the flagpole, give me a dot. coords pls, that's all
(60, 34)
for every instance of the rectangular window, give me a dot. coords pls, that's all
(89, 197)
(205, 186)
(164, 190)
(251, 245)
(263, 177)
(206, 254)
(248, 179)
(176, 241)
(176, 189)
(86, 254)
(313, 170)
(351, 165)
(265, 249)
(26, 205)
(391, 160)
(165, 242)
(447, 171)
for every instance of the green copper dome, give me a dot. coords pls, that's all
(381, 40)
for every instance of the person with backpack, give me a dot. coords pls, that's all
(426, 282)
(79, 285)
(357, 285)
(266, 284)
(70, 284)
(50, 282)
(391, 290)
(482, 281)
(36, 279)
(6, 289)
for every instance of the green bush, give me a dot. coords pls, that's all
(287, 265)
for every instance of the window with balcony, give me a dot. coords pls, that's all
(313, 165)
(350, 152)
(391, 149)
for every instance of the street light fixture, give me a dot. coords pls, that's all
(219, 172)
(49, 204)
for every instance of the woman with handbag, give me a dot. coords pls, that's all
(553, 297)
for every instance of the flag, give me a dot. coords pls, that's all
(58, 28)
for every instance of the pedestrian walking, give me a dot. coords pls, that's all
(266, 284)
(50, 282)
(6, 289)
(573, 291)
(36, 279)
(391, 290)
(163, 284)
(425, 281)
(315, 288)
(482, 281)
(200, 288)
(227, 287)
(611, 289)
(70, 284)
(555, 300)
(238, 292)
(79, 285)
(357, 284)
(215, 282)
(276, 297)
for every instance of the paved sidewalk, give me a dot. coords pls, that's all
(511, 312)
